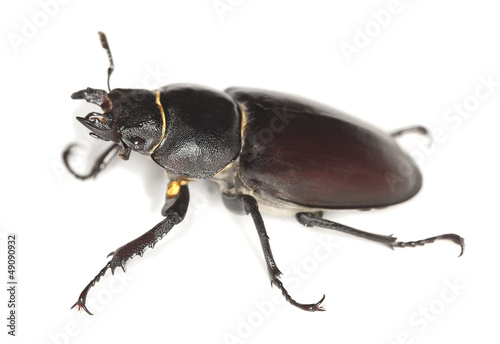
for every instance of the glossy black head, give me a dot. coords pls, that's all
(131, 117)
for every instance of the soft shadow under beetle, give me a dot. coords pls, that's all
(264, 149)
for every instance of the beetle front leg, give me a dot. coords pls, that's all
(244, 205)
(174, 211)
(311, 219)
(99, 165)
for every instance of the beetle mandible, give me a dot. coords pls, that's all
(322, 160)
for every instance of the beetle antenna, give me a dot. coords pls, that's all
(105, 45)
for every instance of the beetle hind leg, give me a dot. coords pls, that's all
(245, 205)
(311, 219)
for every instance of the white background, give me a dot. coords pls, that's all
(204, 281)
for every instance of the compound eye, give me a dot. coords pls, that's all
(137, 143)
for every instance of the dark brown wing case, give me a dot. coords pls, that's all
(309, 154)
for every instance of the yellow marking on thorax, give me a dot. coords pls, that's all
(164, 122)
(174, 187)
(243, 121)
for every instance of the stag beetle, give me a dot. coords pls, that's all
(322, 160)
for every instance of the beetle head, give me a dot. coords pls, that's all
(130, 117)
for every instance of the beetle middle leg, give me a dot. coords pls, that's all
(174, 211)
(311, 219)
(245, 205)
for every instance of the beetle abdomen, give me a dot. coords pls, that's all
(314, 156)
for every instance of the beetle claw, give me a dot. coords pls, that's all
(81, 305)
(312, 307)
(457, 239)
(318, 306)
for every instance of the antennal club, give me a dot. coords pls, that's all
(105, 45)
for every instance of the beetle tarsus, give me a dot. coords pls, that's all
(452, 237)
(311, 219)
(174, 215)
(100, 164)
(313, 307)
(82, 299)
